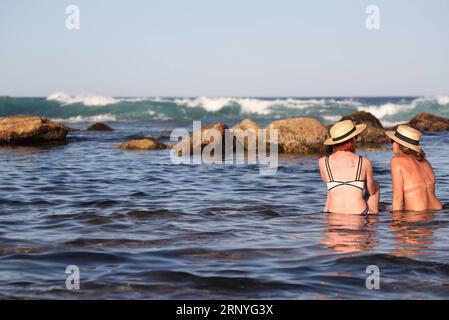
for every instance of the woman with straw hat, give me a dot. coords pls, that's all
(348, 175)
(412, 175)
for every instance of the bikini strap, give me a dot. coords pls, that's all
(359, 169)
(328, 168)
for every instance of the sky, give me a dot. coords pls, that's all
(224, 48)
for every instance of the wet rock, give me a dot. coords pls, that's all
(142, 144)
(23, 129)
(373, 137)
(99, 127)
(426, 122)
(299, 135)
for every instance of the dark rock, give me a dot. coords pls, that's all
(373, 136)
(99, 127)
(426, 122)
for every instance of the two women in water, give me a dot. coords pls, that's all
(349, 177)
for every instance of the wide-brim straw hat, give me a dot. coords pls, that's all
(407, 137)
(343, 131)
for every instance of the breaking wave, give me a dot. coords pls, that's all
(94, 108)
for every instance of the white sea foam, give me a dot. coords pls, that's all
(443, 100)
(259, 106)
(86, 99)
(98, 118)
(331, 119)
(387, 109)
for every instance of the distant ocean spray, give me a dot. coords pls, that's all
(90, 108)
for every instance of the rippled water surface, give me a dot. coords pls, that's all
(139, 226)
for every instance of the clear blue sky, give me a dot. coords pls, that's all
(224, 48)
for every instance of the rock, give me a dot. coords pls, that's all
(99, 127)
(142, 144)
(247, 127)
(299, 135)
(393, 128)
(246, 124)
(201, 141)
(373, 136)
(427, 122)
(23, 129)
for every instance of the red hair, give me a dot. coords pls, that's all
(345, 146)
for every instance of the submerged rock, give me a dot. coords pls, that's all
(99, 127)
(427, 122)
(23, 129)
(142, 144)
(373, 137)
(299, 135)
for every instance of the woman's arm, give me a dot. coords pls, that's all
(326, 207)
(323, 172)
(398, 185)
(325, 179)
(370, 183)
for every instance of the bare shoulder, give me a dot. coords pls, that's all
(398, 161)
(367, 161)
(321, 161)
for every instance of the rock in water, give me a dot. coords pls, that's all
(99, 127)
(428, 122)
(142, 144)
(299, 135)
(374, 135)
(202, 139)
(23, 129)
(246, 127)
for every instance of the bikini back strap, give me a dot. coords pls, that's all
(359, 169)
(328, 168)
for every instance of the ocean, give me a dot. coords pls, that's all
(138, 226)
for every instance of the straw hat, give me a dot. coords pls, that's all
(407, 137)
(343, 131)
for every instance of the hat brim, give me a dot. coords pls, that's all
(391, 135)
(358, 129)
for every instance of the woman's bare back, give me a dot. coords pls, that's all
(345, 198)
(418, 183)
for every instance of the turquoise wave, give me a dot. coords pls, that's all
(62, 107)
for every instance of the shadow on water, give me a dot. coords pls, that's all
(32, 148)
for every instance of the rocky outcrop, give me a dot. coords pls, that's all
(99, 127)
(373, 136)
(247, 128)
(299, 135)
(142, 144)
(23, 129)
(426, 122)
(202, 138)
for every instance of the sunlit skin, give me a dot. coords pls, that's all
(346, 199)
(408, 173)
